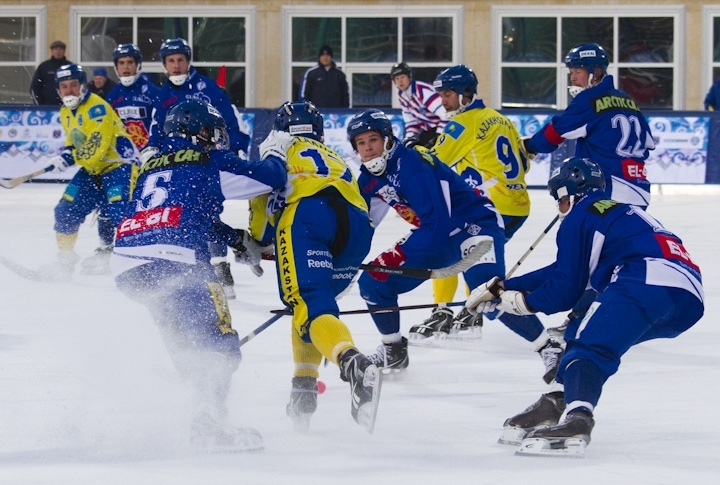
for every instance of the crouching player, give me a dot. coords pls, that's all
(648, 287)
(161, 259)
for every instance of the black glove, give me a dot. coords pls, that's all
(248, 251)
(411, 141)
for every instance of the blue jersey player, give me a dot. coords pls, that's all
(648, 287)
(161, 259)
(447, 213)
(607, 125)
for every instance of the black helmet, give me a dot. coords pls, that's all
(400, 68)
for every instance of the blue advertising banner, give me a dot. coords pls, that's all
(687, 143)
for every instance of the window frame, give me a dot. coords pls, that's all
(676, 12)
(710, 12)
(288, 12)
(249, 12)
(42, 49)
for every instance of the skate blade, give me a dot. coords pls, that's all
(420, 341)
(301, 422)
(570, 447)
(512, 435)
(367, 413)
(472, 333)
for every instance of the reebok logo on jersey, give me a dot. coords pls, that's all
(150, 219)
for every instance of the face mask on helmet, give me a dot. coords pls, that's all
(176, 46)
(67, 73)
(463, 82)
(589, 57)
(373, 120)
(128, 50)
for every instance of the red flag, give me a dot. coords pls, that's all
(222, 76)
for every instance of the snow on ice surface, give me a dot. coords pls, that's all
(88, 394)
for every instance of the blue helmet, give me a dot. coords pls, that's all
(127, 50)
(175, 46)
(300, 119)
(369, 120)
(588, 56)
(70, 71)
(460, 79)
(576, 177)
(197, 121)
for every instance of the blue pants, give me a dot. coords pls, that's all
(625, 314)
(320, 243)
(187, 304)
(385, 294)
(84, 193)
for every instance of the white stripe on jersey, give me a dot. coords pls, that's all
(663, 272)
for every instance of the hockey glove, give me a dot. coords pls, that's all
(512, 301)
(530, 154)
(411, 141)
(486, 292)
(277, 143)
(393, 258)
(248, 251)
(147, 153)
(62, 162)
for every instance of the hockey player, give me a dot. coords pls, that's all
(98, 143)
(648, 288)
(485, 149)
(161, 259)
(184, 82)
(322, 234)
(422, 109)
(447, 213)
(608, 128)
(605, 122)
(132, 99)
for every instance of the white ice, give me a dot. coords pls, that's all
(88, 394)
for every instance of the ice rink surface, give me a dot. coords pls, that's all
(88, 394)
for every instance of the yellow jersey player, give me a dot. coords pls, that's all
(486, 150)
(98, 143)
(322, 234)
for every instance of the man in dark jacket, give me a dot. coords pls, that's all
(101, 84)
(325, 85)
(42, 88)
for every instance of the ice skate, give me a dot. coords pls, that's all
(558, 333)
(569, 438)
(97, 264)
(546, 411)
(210, 436)
(365, 383)
(225, 277)
(391, 357)
(61, 269)
(466, 327)
(303, 402)
(434, 329)
(551, 353)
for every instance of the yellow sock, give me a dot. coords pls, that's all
(330, 336)
(66, 242)
(444, 289)
(306, 357)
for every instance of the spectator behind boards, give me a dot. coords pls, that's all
(42, 88)
(712, 99)
(325, 85)
(100, 84)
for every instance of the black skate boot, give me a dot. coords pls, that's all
(436, 327)
(365, 382)
(466, 326)
(546, 411)
(551, 353)
(391, 357)
(568, 438)
(225, 277)
(303, 402)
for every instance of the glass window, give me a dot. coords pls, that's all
(21, 51)
(531, 47)
(219, 36)
(366, 42)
